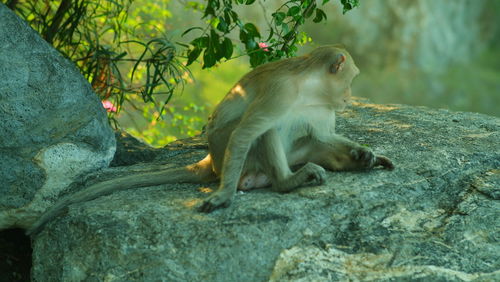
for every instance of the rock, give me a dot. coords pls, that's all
(435, 217)
(315, 264)
(130, 151)
(53, 127)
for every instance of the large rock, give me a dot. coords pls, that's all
(435, 217)
(52, 126)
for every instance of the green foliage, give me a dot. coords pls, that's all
(178, 121)
(122, 49)
(349, 4)
(99, 37)
(187, 113)
(283, 31)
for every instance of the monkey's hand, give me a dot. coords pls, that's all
(314, 173)
(366, 159)
(220, 198)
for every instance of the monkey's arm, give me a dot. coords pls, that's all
(264, 112)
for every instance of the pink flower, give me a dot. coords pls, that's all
(263, 46)
(109, 106)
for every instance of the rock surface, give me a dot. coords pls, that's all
(52, 126)
(434, 218)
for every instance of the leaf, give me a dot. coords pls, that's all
(279, 17)
(139, 60)
(289, 35)
(323, 14)
(250, 2)
(214, 3)
(209, 11)
(257, 58)
(215, 47)
(299, 19)
(243, 36)
(214, 38)
(280, 54)
(208, 58)
(119, 56)
(251, 29)
(234, 16)
(251, 44)
(201, 42)
(219, 53)
(302, 38)
(190, 29)
(227, 17)
(182, 44)
(222, 26)
(293, 11)
(306, 3)
(349, 5)
(193, 55)
(310, 10)
(320, 15)
(285, 28)
(214, 22)
(228, 48)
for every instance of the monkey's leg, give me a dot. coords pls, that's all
(339, 153)
(274, 162)
(258, 117)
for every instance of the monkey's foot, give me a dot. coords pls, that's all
(385, 162)
(367, 159)
(220, 198)
(364, 156)
(315, 173)
(309, 174)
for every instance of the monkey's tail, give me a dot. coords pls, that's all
(195, 173)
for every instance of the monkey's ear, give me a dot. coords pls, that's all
(339, 63)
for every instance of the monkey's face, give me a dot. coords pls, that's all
(343, 71)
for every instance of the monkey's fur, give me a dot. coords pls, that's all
(279, 115)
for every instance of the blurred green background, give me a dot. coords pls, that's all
(441, 54)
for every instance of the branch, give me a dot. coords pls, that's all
(56, 21)
(295, 29)
(12, 4)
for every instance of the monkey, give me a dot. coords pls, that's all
(278, 116)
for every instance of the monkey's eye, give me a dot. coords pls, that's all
(339, 64)
(336, 68)
(332, 68)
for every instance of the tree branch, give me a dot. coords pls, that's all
(56, 21)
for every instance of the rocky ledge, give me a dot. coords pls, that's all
(435, 217)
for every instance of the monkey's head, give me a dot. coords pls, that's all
(339, 69)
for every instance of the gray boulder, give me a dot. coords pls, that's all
(434, 218)
(53, 128)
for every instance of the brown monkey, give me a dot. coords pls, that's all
(279, 115)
